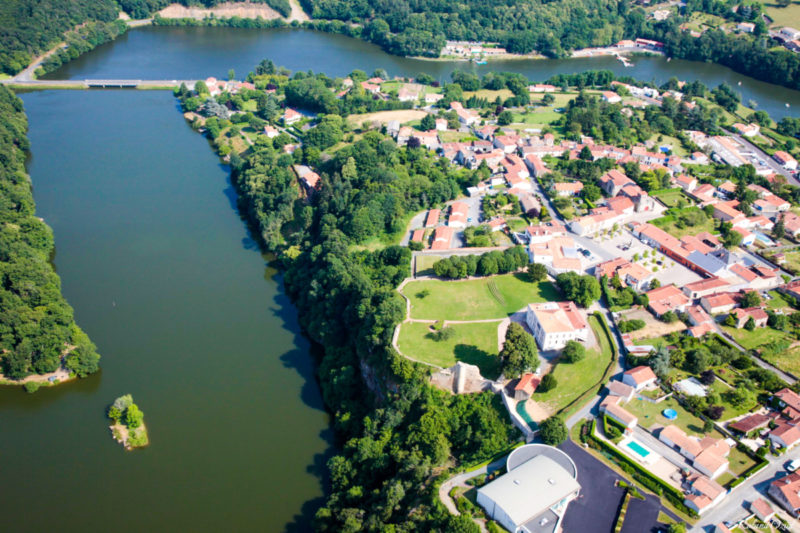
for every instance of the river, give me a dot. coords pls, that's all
(188, 318)
(198, 52)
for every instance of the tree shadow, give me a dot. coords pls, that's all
(488, 364)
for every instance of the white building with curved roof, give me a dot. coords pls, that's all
(533, 496)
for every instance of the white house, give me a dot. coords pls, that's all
(555, 323)
(639, 377)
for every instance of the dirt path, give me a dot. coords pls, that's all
(297, 12)
(227, 10)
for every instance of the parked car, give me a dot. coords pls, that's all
(793, 465)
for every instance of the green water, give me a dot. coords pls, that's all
(188, 318)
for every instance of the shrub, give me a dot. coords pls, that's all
(32, 386)
(549, 382)
(553, 431)
(573, 352)
(708, 377)
(626, 326)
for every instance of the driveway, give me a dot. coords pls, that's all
(642, 516)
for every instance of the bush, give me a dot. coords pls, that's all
(626, 326)
(742, 362)
(553, 431)
(714, 412)
(32, 386)
(573, 352)
(708, 377)
(548, 383)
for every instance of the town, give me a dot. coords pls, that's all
(618, 268)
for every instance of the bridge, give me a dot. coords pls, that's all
(97, 84)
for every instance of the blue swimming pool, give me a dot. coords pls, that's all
(638, 449)
(670, 414)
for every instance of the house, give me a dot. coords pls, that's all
(705, 287)
(536, 166)
(432, 98)
(633, 275)
(530, 205)
(441, 124)
(758, 315)
(705, 494)
(371, 88)
(620, 389)
(786, 491)
(697, 315)
(408, 94)
(442, 236)
(685, 182)
(789, 34)
(699, 158)
(639, 377)
(666, 298)
(708, 455)
(792, 289)
(748, 238)
(558, 255)
(791, 224)
(762, 509)
(545, 232)
(750, 423)
(526, 386)
(745, 27)
(611, 97)
(432, 218)
(309, 179)
(417, 235)
(700, 330)
(746, 130)
(271, 132)
(727, 212)
(572, 188)
(497, 224)
(542, 88)
(468, 117)
(612, 182)
(785, 436)
(458, 215)
(555, 323)
(290, 116)
(789, 402)
(786, 160)
(611, 408)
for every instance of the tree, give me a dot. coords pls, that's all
(519, 351)
(537, 272)
(730, 320)
(591, 192)
(669, 317)
(505, 118)
(779, 229)
(732, 239)
(750, 299)
(231, 74)
(573, 352)
(114, 414)
(583, 290)
(553, 431)
(427, 123)
(461, 524)
(133, 416)
(750, 325)
(548, 383)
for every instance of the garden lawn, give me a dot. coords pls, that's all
(784, 16)
(649, 414)
(730, 410)
(425, 264)
(668, 225)
(777, 301)
(670, 198)
(738, 462)
(574, 379)
(751, 340)
(476, 299)
(474, 343)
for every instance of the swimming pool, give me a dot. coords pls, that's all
(637, 448)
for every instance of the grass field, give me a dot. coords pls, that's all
(777, 301)
(477, 299)
(425, 264)
(670, 227)
(489, 94)
(537, 118)
(751, 340)
(784, 16)
(475, 344)
(576, 378)
(730, 410)
(788, 361)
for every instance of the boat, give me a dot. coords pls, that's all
(480, 62)
(787, 104)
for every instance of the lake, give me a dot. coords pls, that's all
(188, 318)
(198, 52)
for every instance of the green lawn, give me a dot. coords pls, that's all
(753, 339)
(539, 118)
(649, 414)
(777, 301)
(668, 225)
(730, 410)
(671, 198)
(425, 264)
(250, 105)
(475, 344)
(576, 378)
(784, 16)
(476, 299)
(673, 142)
(739, 462)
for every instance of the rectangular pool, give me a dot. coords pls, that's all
(637, 448)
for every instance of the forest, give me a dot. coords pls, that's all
(37, 327)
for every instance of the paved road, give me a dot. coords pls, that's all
(733, 507)
(771, 163)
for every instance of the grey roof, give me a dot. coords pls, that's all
(531, 488)
(709, 263)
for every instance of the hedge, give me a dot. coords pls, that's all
(643, 476)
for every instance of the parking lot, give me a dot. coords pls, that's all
(666, 270)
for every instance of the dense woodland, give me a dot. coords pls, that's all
(36, 323)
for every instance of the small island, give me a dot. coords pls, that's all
(128, 423)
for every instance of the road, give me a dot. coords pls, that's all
(732, 507)
(88, 83)
(771, 163)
